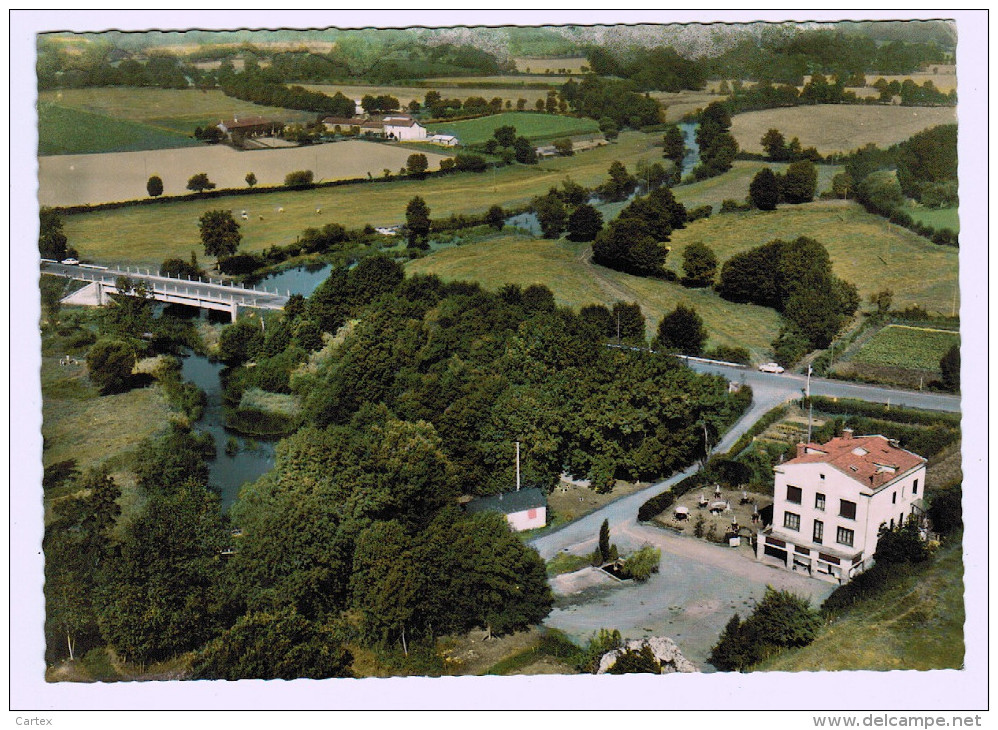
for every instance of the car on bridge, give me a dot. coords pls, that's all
(770, 367)
(70, 262)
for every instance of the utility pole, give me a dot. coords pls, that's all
(810, 407)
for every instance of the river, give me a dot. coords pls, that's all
(239, 459)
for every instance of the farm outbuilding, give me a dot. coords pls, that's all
(250, 127)
(525, 509)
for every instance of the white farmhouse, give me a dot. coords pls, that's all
(831, 500)
(403, 128)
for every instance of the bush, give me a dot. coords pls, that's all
(730, 354)
(695, 214)
(903, 544)
(110, 363)
(643, 563)
(946, 511)
(655, 506)
(782, 619)
(241, 263)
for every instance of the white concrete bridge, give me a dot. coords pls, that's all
(204, 294)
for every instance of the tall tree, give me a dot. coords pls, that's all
(775, 145)
(200, 182)
(699, 265)
(417, 223)
(417, 164)
(800, 182)
(219, 233)
(551, 215)
(110, 363)
(154, 186)
(620, 183)
(765, 189)
(52, 242)
(949, 365)
(682, 330)
(674, 146)
(585, 223)
(604, 541)
(495, 217)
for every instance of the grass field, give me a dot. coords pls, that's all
(864, 248)
(938, 218)
(168, 111)
(838, 127)
(903, 346)
(558, 265)
(66, 131)
(684, 102)
(734, 184)
(532, 126)
(916, 624)
(146, 235)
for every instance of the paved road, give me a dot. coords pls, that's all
(700, 585)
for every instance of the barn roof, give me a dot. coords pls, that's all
(248, 122)
(509, 502)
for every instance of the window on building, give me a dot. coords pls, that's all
(847, 509)
(914, 488)
(819, 531)
(844, 536)
(894, 498)
(791, 521)
(822, 476)
(794, 494)
(819, 501)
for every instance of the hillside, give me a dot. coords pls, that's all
(865, 249)
(917, 624)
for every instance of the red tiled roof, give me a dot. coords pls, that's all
(881, 462)
(399, 123)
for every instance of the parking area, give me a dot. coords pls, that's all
(697, 589)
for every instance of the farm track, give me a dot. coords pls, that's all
(612, 288)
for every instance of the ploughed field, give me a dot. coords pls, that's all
(533, 126)
(838, 127)
(115, 176)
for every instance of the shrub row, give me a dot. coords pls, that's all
(896, 414)
(252, 422)
(926, 441)
(661, 502)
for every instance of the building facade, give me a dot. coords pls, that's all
(525, 509)
(831, 501)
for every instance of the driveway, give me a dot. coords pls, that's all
(697, 589)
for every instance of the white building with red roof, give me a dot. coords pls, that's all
(832, 499)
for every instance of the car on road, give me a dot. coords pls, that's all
(770, 367)
(70, 262)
